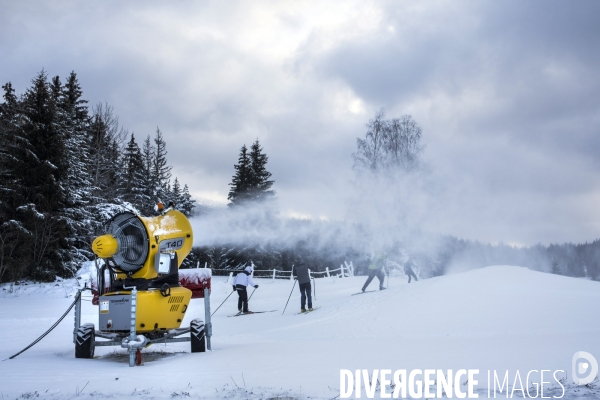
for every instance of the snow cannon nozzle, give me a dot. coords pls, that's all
(105, 246)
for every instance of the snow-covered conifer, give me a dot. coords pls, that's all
(259, 178)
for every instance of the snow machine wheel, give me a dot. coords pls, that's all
(84, 344)
(197, 336)
(138, 357)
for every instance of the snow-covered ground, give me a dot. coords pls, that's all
(497, 318)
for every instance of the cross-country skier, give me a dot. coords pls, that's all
(408, 269)
(375, 270)
(241, 281)
(303, 277)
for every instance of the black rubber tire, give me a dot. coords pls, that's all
(84, 343)
(197, 336)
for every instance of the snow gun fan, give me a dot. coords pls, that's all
(127, 243)
(138, 290)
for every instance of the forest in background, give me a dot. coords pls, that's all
(65, 169)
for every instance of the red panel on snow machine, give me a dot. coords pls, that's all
(196, 280)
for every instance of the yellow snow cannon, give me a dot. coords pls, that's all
(133, 244)
(138, 292)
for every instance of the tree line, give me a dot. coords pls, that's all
(65, 169)
(576, 260)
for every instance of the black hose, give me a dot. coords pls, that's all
(51, 328)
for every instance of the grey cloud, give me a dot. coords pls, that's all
(507, 94)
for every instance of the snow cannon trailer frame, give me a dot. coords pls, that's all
(200, 333)
(141, 293)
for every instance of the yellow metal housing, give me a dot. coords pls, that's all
(171, 225)
(105, 246)
(157, 313)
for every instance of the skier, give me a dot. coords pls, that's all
(375, 270)
(303, 277)
(241, 281)
(408, 269)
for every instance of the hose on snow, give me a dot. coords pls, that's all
(49, 330)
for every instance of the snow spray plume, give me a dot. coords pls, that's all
(384, 214)
(396, 210)
(391, 207)
(260, 224)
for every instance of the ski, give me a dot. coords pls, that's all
(251, 312)
(366, 291)
(307, 312)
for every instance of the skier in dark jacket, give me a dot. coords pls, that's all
(241, 281)
(408, 269)
(303, 277)
(375, 270)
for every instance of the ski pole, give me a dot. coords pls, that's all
(221, 304)
(315, 287)
(251, 294)
(289, 296)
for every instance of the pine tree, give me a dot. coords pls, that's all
(240, 191)
(187, 204)
(43, 197)
(132, 187)
(147, 157)
(49, 166)
(161, 171)
(12, 141)
(147, 182)
(106, 138)
(554, 267)
(259, 182)
(77, 184)
(14, 147)
(176, 192)
(251, 181)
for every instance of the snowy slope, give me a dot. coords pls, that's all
(497, 318)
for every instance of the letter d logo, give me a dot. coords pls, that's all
(581, 371)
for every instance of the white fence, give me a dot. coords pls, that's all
(345, 270)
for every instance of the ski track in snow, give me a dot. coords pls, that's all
(496, 318)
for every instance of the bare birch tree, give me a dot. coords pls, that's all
(389, 145)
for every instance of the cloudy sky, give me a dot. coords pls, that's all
(506, 92)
